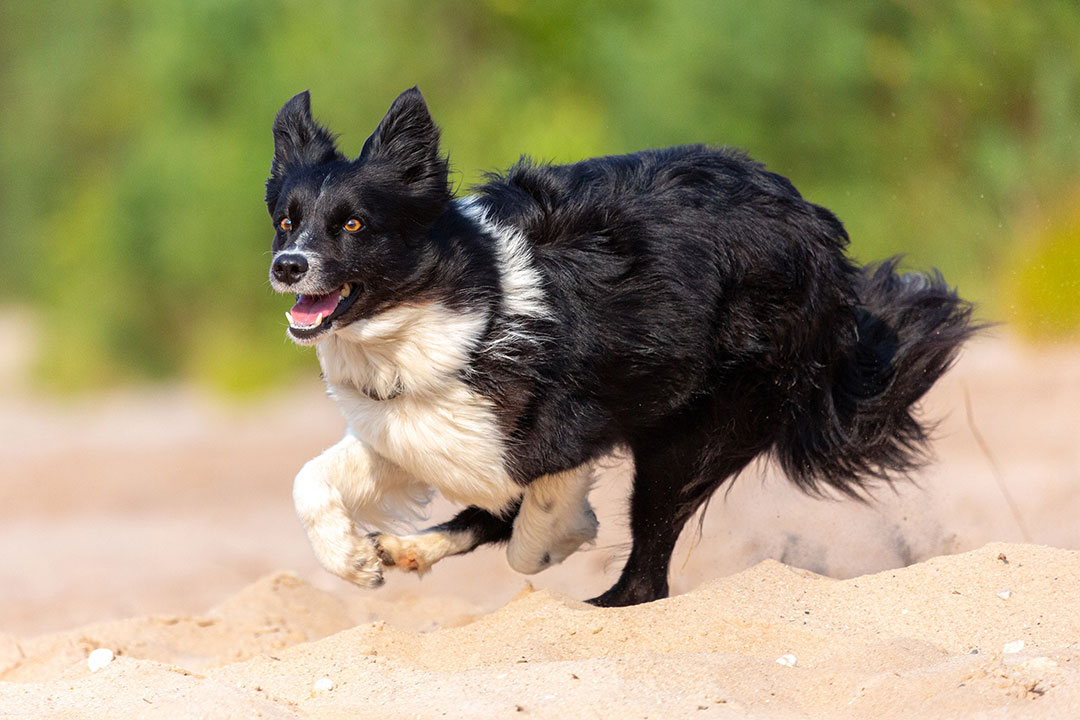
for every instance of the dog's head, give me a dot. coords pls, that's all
(352, 236)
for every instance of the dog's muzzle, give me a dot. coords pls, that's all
(289, 268)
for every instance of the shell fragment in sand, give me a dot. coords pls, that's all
(323, 684)
(1013, 647)
(1004, 594)
(788, 660)
(99, 658)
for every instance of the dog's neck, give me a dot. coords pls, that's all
(410, 349)
(419, 347)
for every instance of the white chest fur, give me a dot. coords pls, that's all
(432, 426)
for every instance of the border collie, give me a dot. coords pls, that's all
(686, 304)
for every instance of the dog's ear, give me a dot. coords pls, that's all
(298, 139)
(408, 139)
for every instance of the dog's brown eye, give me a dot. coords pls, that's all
(352, 225)
(286, 224)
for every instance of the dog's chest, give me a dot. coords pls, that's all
(431, 424)
(450, 441)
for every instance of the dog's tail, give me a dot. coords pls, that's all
(908, 332)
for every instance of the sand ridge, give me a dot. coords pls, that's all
(927, 640)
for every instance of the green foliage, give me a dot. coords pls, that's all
(135, 137)
(1042, 284)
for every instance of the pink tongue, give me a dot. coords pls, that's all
(308, 307)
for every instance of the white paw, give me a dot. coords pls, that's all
(359, 564)
(417, 553)
(400, 553)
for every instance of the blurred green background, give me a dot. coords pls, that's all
(135, 140)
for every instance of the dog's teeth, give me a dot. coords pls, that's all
(288, 316)
(345, 290)
(318, 320)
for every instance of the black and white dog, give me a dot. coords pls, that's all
(685, 304)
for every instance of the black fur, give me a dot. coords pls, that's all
(702, 313)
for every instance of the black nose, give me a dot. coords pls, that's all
(289, 268)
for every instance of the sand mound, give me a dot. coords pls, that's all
(994, 632)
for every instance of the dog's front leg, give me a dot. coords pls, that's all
(329, 492)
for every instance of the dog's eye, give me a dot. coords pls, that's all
(352, 225)
(286, 224)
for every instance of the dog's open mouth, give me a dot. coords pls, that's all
(312, 314)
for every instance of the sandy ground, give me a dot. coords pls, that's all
(159, 524)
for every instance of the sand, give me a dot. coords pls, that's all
(159, 524)
(928, 640)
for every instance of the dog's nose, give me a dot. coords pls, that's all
(289, 268)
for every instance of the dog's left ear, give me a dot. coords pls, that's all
(408, 139)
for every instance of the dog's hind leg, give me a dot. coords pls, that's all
(463, 533)
(555, 519)
(674, 474)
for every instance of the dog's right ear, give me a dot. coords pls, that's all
(298, 140)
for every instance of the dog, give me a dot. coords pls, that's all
(685, 304)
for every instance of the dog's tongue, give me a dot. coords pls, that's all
(308, 307)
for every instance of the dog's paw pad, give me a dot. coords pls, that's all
(384, 548)
(409, 561)
(400, 553)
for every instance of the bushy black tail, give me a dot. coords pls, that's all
(909, 329)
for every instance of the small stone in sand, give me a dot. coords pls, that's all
(787, 660)
(99, 659)
(1004, 594)
(1013, 647)
(324, 684)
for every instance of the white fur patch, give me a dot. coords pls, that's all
(349, 483)
(434, 428)
(418, 347)
(372, 490)
(417, 553)
(520, 281)
(554, 521)
(303, 238)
